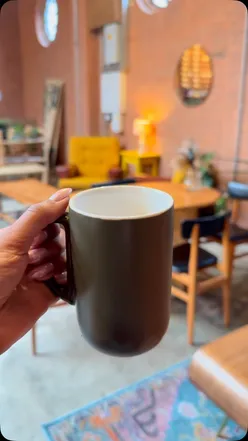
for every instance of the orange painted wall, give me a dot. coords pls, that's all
(11, 83)
(155, 45)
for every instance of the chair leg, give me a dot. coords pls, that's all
(191, 313)
(226, 293)
(231, 259)
(192, 287)
(33, 331)
(226, 288)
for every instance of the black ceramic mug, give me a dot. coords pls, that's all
(119, 255)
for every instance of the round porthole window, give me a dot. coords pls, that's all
(51, 19)
(152, 6)
(161, 3)
(47, 20)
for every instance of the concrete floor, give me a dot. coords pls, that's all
(68, 373)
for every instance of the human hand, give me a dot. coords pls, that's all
(31, 250)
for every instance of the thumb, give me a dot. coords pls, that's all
(36, 218)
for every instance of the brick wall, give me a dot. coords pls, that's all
(39, 63)
(57, 61)
(155, 45)
(11, 83)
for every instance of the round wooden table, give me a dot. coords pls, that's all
(186, 202)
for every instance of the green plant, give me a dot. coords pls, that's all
(221, 204)
(202, 163)
(34, 132)
(18, 130)
(206, 159)
(208, 171)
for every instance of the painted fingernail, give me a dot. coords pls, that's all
(41, 272)
(35, 256)
(61, 194)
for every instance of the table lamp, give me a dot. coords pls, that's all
(144, 129)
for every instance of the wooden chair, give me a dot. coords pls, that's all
(237, 193)
(90, 160)
(189, 259)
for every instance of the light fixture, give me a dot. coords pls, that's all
(145, 130)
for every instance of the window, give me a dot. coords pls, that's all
(152, 6)
(47, 20)
(161, 3)
(51, 19)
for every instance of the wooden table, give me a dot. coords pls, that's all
(27, 191)
(187, 203)
(220, 370)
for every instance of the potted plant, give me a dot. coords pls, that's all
(209, 175)
(194, 169)
(18, 133)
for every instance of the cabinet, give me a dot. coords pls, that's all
(140, 161)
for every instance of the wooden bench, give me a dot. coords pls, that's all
(220, 370)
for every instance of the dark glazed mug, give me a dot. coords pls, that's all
(119, 258)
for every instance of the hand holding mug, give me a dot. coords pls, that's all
(119, 259)
(119, 254)
(31, 250)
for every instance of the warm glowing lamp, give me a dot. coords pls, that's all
(144, 129)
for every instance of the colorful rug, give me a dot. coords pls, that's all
(164, 407)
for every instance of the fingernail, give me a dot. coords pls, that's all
(42, 272)
(61, 278)
(36, 256)
(38, 240)
(61, 194)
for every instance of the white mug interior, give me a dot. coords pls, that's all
(121, 202)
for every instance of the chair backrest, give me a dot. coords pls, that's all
(94, 156)
(208, 226)
(239, 191)
(115, 183)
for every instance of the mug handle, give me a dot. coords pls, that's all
(65, 292)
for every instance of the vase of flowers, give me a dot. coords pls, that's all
(193, 168)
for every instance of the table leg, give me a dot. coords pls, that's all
(124, 166)
(179, 216)
(155, 168)
(139, 166)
